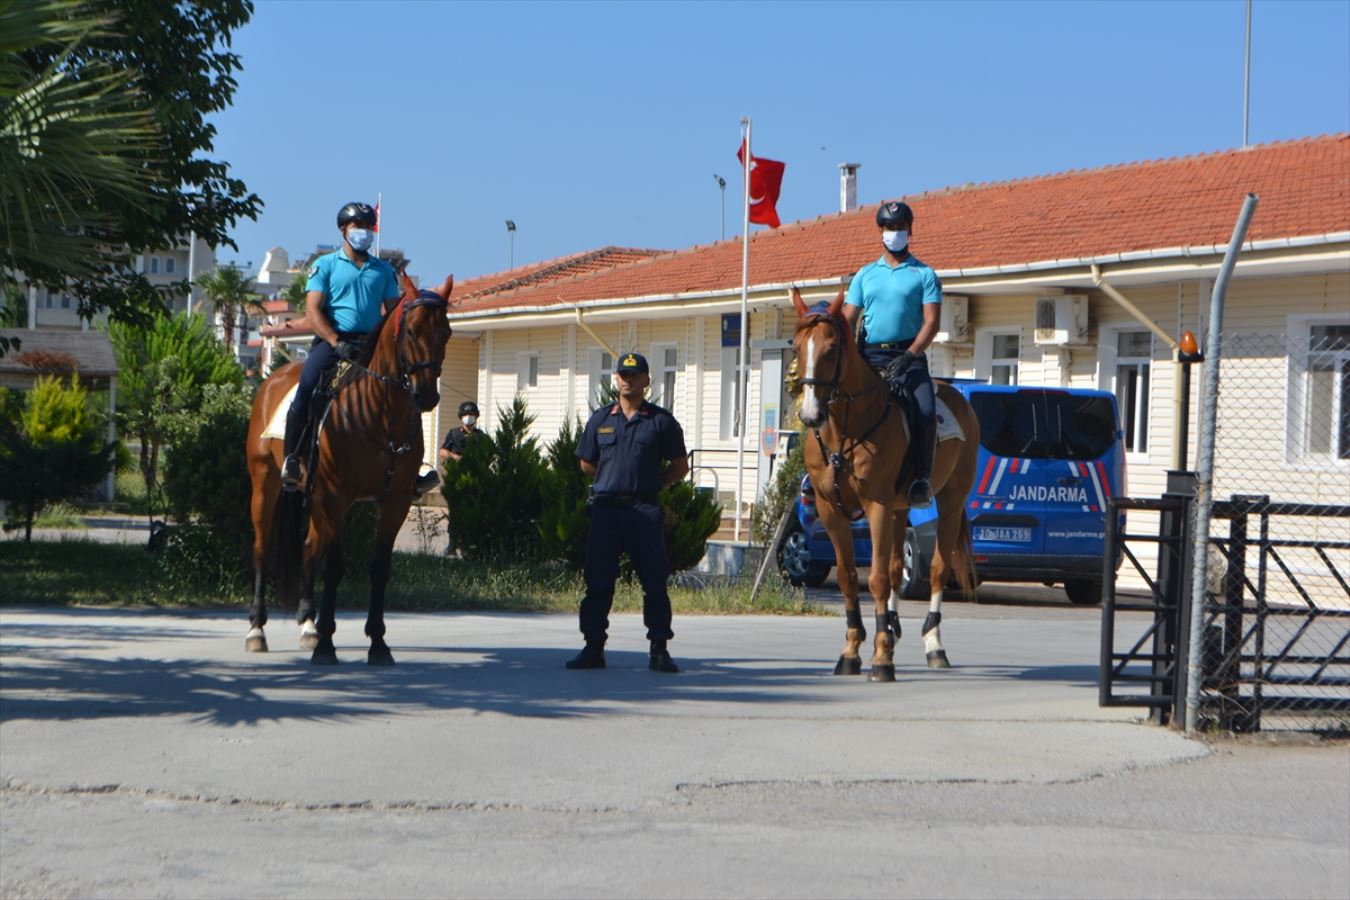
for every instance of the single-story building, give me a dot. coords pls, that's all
(1029, 268)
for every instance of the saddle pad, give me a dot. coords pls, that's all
(948, 429)
(276, 426)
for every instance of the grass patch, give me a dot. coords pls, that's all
(79, 573)
(59, 515)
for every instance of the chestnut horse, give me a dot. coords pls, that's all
(369, 448)
(855, 460)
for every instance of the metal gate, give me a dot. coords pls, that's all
(1275, 618)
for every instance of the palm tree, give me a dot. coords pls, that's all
(227, 289)
(67, 137)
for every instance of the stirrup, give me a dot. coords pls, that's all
(920, 494)
(290, 473)
(424, 483)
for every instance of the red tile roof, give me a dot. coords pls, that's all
(1191, 201)
(550, 271)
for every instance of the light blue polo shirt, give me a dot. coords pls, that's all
(892, 300)
(352, 295)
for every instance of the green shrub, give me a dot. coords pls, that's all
(564, 526)
(779, 495)
(196, 562)
(495, 493)
(689, 517)
(51, 447)
(205, 472)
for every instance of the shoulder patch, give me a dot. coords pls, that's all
(314, 270)
(605, 429)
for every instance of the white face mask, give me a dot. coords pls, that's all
(895, 241)
(360, 239)
(469, 420)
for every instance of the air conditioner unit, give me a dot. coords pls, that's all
(954, 324)
(1061, 321)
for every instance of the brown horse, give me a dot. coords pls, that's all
(369, 448)
(855, 460)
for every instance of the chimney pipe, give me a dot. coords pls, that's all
(848, 186)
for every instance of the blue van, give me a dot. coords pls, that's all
(1049, 460)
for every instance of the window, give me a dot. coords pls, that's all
(730, 419)
(65, 300)
(665, 360)
(1134, 356)
(154, 265)
(601, 377)
(1325, 407)
(48, 301)
(1003, 358)
(168, 265)
(527, 372)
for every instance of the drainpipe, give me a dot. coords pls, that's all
(1177, 375)
(597, 338)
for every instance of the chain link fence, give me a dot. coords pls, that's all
(1276, 621)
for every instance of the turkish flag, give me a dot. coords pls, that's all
(377, 217)
(766, 180)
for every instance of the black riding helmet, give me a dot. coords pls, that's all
(468, 408)
(360, 213)
(894, 214)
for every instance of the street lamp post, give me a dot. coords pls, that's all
(722, 185)
(511, 238)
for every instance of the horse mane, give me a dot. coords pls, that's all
(409, 291)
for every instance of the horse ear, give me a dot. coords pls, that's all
(446, 287)
(409, 289)
(797, 302)
(836, 304)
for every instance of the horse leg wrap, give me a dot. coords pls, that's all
(854, 619)
(893, 619)
(884, 624)
(932, 643)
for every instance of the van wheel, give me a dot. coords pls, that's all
(1084, 591)
(794, 560)
(914, 568)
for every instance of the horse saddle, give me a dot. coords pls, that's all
(328, 387)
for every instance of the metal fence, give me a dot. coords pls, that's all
(1276, 613)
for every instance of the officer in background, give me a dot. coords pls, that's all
(346, 293)
(900, 301)
(457, 438)
(622, 448)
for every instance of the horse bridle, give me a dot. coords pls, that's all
(405, 371)
(833, 381)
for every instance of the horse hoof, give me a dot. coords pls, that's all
(255, 644)
(309, 637)
(848, 665)
(379, 656)
(324, 656)
(938, 660)
(881, 673)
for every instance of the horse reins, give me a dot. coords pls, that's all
(836, 458)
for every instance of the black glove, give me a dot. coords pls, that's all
(896, 368)
(348, 350)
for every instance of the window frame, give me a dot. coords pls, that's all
(1298, 386)
(527, 371)
(729, 394)
(597, 374)
(660, 370)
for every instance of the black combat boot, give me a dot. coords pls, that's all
(290, 466)
(660, 660)
(592, 656)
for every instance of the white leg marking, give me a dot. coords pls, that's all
(893, 603)
(932, 641)
(809, 410)
(308, 628)
(255, 632)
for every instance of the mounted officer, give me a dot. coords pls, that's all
(347, 290)
(900, 300)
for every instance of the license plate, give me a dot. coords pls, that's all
(1003, 535)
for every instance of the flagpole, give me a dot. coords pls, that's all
(744, 397)
(379, 213)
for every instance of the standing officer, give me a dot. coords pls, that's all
(346, 293)
(622, 448)
(900, 299)
(457, 439)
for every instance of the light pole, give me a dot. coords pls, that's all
(722, 185)
(511, 238)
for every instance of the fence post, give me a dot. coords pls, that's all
(1174, 550)
(1205, 461)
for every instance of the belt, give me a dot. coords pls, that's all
(890, 345)
(621, 499)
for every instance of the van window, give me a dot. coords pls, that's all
(1045, 424)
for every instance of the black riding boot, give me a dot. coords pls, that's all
(924, 436)
(290, 467)
(592, 656)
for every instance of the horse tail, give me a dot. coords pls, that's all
(288, 546)
(963, 557)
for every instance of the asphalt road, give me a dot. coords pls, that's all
(143, 753)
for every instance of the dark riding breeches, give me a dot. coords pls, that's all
(634, 527)
(318, 365)
(922, 405)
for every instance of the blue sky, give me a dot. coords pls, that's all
(603, 123)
